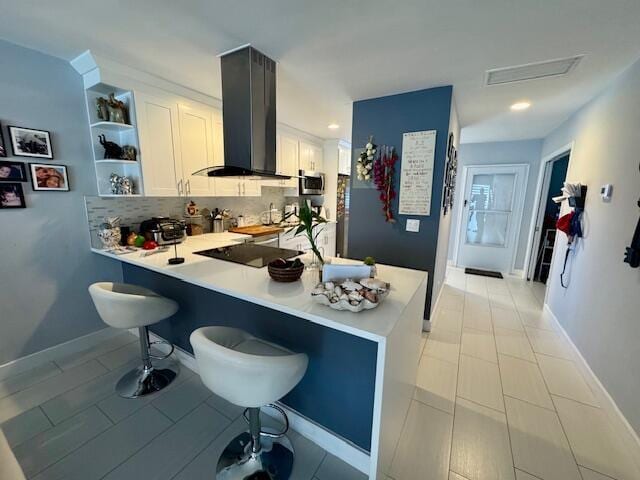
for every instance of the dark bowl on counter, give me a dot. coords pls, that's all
(285, 270)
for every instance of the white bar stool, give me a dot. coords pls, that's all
(126, 306)
(251, 373)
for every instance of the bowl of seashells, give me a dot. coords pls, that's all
(352, 295)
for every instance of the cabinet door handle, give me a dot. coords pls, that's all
(187, 185)
(239, 191)
(179, 187)
(244, 189)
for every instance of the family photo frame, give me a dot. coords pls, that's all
(11, 196)
(48, 177)
(12, 171)
(27, 142)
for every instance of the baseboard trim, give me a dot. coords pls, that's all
(322, 437)
(22, 364)
(517, 274)
(612, 406)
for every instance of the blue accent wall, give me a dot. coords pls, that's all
(337, 390)
(387, 118)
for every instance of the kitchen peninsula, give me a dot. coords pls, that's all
(362, 366)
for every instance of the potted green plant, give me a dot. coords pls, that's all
(310, 226)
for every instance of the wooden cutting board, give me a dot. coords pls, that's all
(257, 230)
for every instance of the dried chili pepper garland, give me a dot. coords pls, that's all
(383, 171)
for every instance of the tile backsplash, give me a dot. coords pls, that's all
(133, 210)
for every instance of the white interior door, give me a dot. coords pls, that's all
(491, 216)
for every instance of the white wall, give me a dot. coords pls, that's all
(493, 153)
(600, 309)
(444, 231)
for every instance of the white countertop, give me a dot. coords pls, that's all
(254, 285)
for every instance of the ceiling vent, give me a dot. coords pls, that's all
(532, 71)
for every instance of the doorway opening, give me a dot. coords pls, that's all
(553, 176)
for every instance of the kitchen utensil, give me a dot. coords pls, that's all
(218, 224)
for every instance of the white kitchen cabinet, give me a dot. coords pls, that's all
(196, 140)
(329, 238)
(288, 163)
(310, 157)
(160, 145)
(326, 241)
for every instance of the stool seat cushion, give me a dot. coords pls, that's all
(243, 369)
(122, 305)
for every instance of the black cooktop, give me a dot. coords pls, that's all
(249, 254)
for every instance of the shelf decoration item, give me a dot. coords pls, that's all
(102, 109)
(383, 173)
(364, 165)
(129, 152)
(351, 295)
(117, 110)
(311, 225)
(120, 185)
(27, 142)
(111, 149)
(47, 177)
(109, 233)
(112, 110)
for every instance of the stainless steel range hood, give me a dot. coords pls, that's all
(248, 115)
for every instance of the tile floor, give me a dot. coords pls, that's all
(499, 396)
(64, 421)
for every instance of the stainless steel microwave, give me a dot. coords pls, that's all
(311, 183)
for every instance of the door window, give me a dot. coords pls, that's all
(490, 209)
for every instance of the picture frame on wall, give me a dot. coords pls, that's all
(11, 171)
(27, 142)
(3, 148)
(11, 196)
(49, 178)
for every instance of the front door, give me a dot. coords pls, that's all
(491, 216)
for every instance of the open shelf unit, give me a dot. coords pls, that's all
(122, 134)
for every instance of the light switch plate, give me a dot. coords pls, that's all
(413, 225)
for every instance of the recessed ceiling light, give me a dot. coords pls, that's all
(518, 106)
(333, 126)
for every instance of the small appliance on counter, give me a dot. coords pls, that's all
(163, 230)
(291, 213)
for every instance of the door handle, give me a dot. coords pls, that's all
(179, 185)
(187, 185)
(244, 189)
(465, 203)
(239, 191)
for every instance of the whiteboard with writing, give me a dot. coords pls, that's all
(418, 149)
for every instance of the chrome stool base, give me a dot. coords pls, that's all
(147, 379)
(140, 381)
(274, 461)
